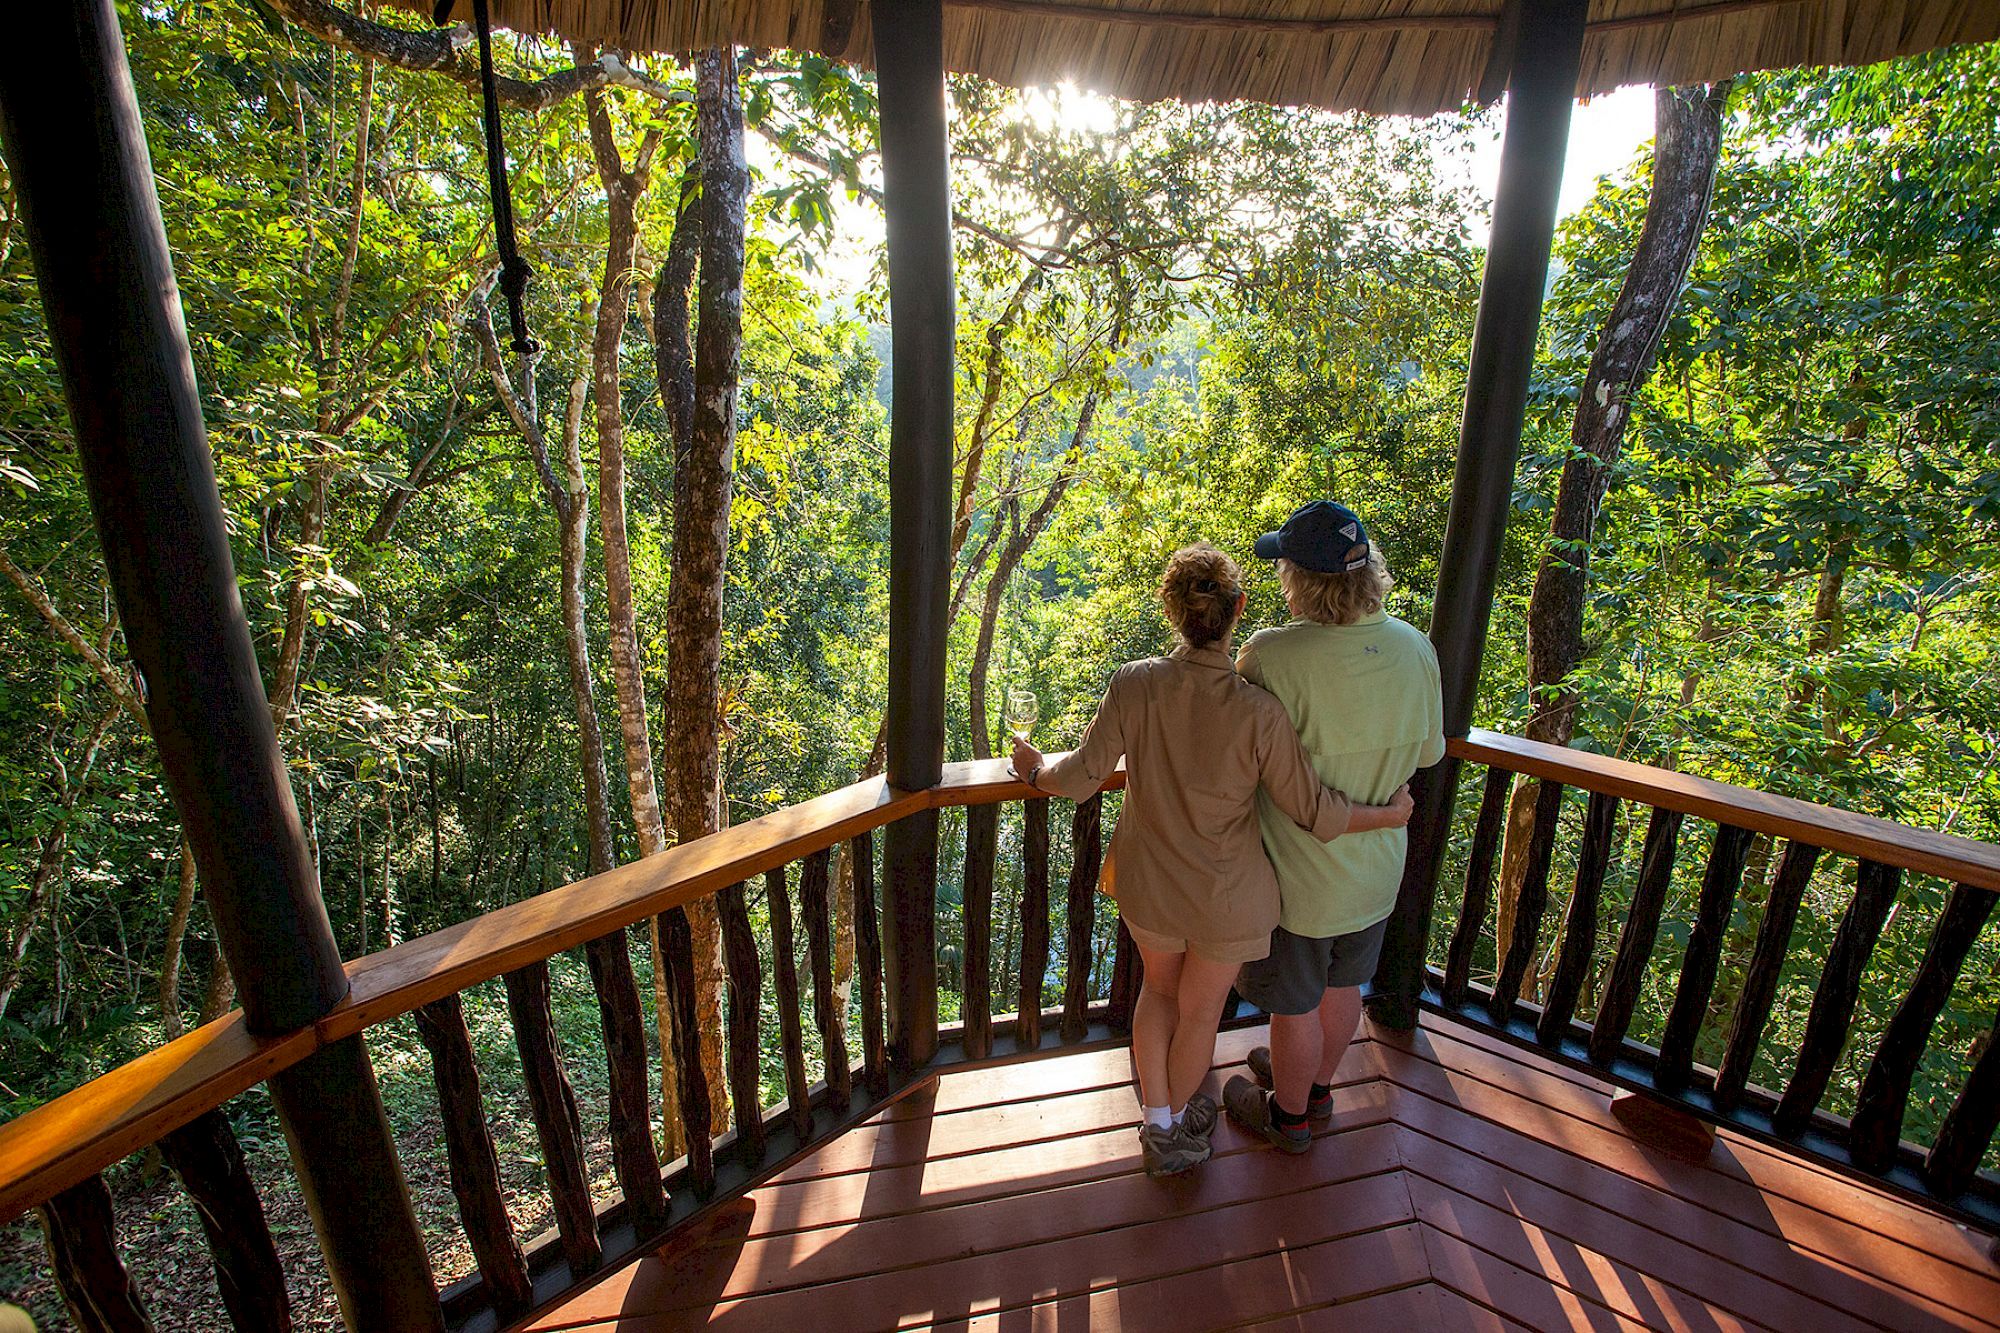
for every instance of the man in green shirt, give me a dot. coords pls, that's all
(1361, 687)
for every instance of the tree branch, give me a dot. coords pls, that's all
(121, 690)
(447, 51)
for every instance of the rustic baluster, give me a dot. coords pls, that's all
(83, 1252)
(1580, 921)
(677, 956)
(1839, 987)
(1967, 1129)
(791, 1034)
(1085, 850)
(982, 840)
(868, 955)
(817, 904)
(623, 1022)
(1885, 1091)
(739, 956)
(1719, 885)
(205, 1156)
(1127, 975)
(556, 1120)
(1635, 941)
(469, 1152)
(1767, 964)
(1478, 886)
(1034, 921)
(1519, 955)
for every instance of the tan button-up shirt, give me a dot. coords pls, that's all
(1198, 741)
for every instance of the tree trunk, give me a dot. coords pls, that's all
(622, 191)
(170, 959)
(221, 991)
(1687, 147)
(703, 482)
(50, 850)
(1019, 541)
(570, 499)
(48, 868)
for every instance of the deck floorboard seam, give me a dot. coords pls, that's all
(1123, 1171)
(1126, 1224)
(1918, 1251)
(1791, 1169)
(1809, 1255)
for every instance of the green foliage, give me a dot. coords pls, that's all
(1793, 582)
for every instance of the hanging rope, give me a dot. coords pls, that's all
(514, 270)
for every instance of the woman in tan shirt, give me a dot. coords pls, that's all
(1194, 887)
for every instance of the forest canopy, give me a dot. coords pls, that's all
(1175, 323)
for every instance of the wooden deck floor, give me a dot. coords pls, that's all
(1463, 1185)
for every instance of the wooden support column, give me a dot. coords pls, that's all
(77, 149)
(1541, 88)
(909, 57)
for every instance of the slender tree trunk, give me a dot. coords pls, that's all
(570, 499)
(703, 482)
(170, 957)
(1687, 147)
(1020, 540)
(41, 886)
(221, 991)
(51, 848)
(389, 934)
(622, 191)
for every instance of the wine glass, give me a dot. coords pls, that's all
(1022, 710)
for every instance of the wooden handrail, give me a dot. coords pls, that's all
(93, 1126)
(78, 1134)
(1960, 860)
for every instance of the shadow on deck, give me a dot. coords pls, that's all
(1463, 1184)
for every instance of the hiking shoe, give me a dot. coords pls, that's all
(1319, 1110)
(1250, 1106)
(1199, 1115)
(1169, 1152)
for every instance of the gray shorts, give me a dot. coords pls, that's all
(1299, 970)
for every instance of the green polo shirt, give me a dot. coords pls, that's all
(1366, 703)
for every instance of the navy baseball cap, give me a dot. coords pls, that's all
(1324, 537)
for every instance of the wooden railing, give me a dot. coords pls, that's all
(52, 1158)
(1870, 1142)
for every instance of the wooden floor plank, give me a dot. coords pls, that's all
(1405, 1310)
(1516, 1235)
(1870, 1295)
(1515, 1292)
(1729, 1195)
(1463, 1185)
(1354, 1282)
(1058, 1075)
(979, 1283)
(833, 1254)
(912, 1135)
(1767, 1170)
(1368, 1145)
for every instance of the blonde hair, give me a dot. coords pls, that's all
(1337, 599)
(1200, 589)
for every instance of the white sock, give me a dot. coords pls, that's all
(1159, 1117)
(1177, 1116)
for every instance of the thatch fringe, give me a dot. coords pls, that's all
(1394, 56)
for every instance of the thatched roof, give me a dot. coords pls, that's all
(1415, 56)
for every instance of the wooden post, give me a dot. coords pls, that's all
(909, 57)
(1541, 88)
(77, 150)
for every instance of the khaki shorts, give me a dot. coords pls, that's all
(1215, 951)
